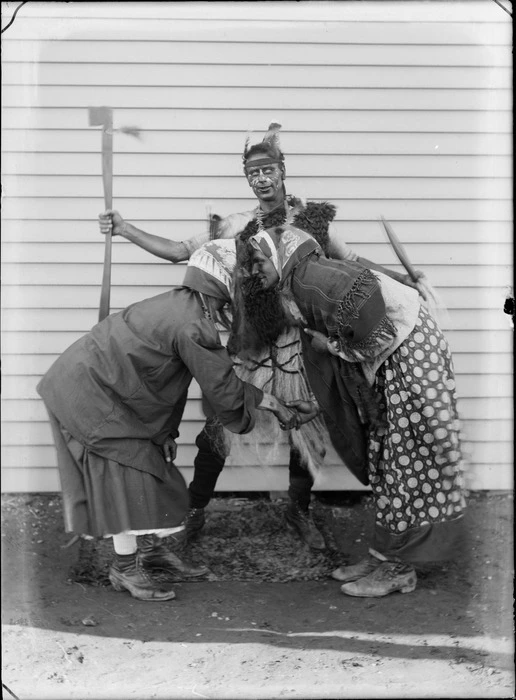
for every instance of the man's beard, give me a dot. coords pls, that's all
(259, 317)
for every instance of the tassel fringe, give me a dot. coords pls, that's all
(349, 310)
(282, 374)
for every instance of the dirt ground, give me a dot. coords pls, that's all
(267, 623)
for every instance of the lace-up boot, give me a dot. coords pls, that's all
(156, 553)
(126, 573)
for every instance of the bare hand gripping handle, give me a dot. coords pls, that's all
(103, 116)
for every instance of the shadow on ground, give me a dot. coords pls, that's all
(267, 588)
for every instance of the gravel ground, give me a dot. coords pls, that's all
(267, 622)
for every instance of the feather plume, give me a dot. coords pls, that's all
(272, 136)
(273, 129)
(246, 144)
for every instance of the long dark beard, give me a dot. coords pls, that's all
(259, 317)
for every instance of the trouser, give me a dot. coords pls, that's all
(208, 464)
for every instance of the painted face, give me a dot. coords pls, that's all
(265, 179)
(263, 268)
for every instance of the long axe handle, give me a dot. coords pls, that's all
(107, 180)
(103, 116)
(399, 250)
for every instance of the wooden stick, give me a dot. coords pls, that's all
(399, 250)
(103, 116)
(425, 289)
(107, 179)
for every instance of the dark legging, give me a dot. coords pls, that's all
(208, 464)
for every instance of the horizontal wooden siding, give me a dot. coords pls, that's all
(395, 109)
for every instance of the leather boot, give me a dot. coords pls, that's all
(348, 574)
(127, 574)
(389, 577)
(194, 522)
(156, 553)
(300, 521)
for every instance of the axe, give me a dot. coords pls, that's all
(425, 289)
(399, 250)
(103, 116)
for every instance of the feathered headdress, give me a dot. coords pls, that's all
(270, 141)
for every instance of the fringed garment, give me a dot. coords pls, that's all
(343, 300)
(279, 371)
(414, 460)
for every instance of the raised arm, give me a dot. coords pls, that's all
(112, 222)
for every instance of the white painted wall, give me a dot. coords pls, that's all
(395, 109)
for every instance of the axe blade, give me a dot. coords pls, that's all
(100, 116)
(131, 130)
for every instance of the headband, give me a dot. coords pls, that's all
(259, 162)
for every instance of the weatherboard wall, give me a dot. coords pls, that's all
(395, 109)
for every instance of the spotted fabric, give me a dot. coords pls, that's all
(415, 463)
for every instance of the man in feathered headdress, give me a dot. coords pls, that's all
(265, 171)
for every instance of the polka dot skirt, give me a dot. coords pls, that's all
(415, 463)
